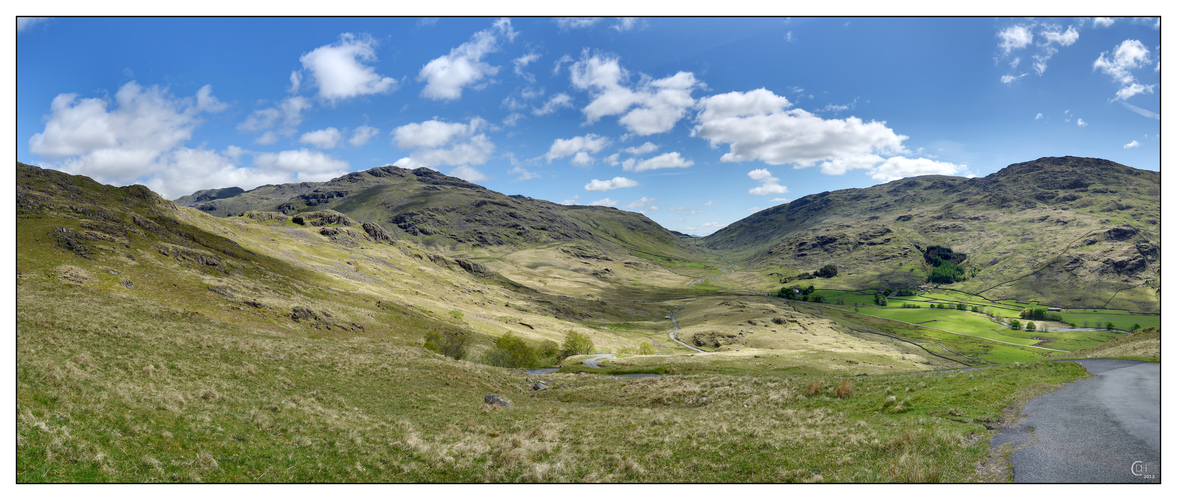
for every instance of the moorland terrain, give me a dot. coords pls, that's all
(352, 330)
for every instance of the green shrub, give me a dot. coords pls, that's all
(510, 351)
(452, 343)
(1015, 324)
(646, 349)
(576, 343)
(1030, 326)
(548, 352)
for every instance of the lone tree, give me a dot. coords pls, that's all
(827, 271)
(1015, 324)
(576, 343)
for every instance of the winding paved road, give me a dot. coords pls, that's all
(592, 362)
(1103, 429)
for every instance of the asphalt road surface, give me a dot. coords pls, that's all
(1103, 429)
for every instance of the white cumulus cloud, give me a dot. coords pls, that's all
(657, 105)
(339, 70)
(282, 119)
(899, 167)
(768, 183)
(138, 136)
(641, 203)
(323, 139)
(580, 145)
(1102, 22)
(554, 103)
(434, 133)
(306, 163)
(667, 160)
(435, 143)
(1130, 55)
(757, 126)
(1015, 37)
(521, 62)
(447, 75)
(468, 174)
(604, 202)
(362, 134)
(1132, 144)
(606, 185)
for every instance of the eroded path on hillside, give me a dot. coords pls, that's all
(1103, 429)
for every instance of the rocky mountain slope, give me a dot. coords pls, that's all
(1072, 232)
(425, 206)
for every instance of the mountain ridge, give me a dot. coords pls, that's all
(1075, 231)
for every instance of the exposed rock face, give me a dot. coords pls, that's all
(73, 242)
(471, 266)
(376, 232)
(321, 319)
(266, 216)
(205, 262)
(716, 339)
(343, 236)
(322, 218)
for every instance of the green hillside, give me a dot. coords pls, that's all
(1068, 232)
(290, 334)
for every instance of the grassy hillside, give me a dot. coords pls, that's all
(1143, 344)
(158, 343)
(1068, 232)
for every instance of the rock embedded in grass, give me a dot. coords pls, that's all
(491, 399)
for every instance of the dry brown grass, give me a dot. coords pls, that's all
(814, 388)
(844, 390)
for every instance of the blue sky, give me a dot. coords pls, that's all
(695, 122)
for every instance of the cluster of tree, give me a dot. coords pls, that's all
(880, 299)
(826, 271)
(509, 350)
(1040, 314)
(945, 264)
(1030, 326)
(946, 273)
(806, 294)
(934, 255)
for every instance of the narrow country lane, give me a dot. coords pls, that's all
(1103, 429)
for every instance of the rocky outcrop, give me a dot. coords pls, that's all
(717, 339)
(266, 216)
(376, 232)
(322, 218)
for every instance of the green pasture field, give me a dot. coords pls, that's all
(981, 327)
